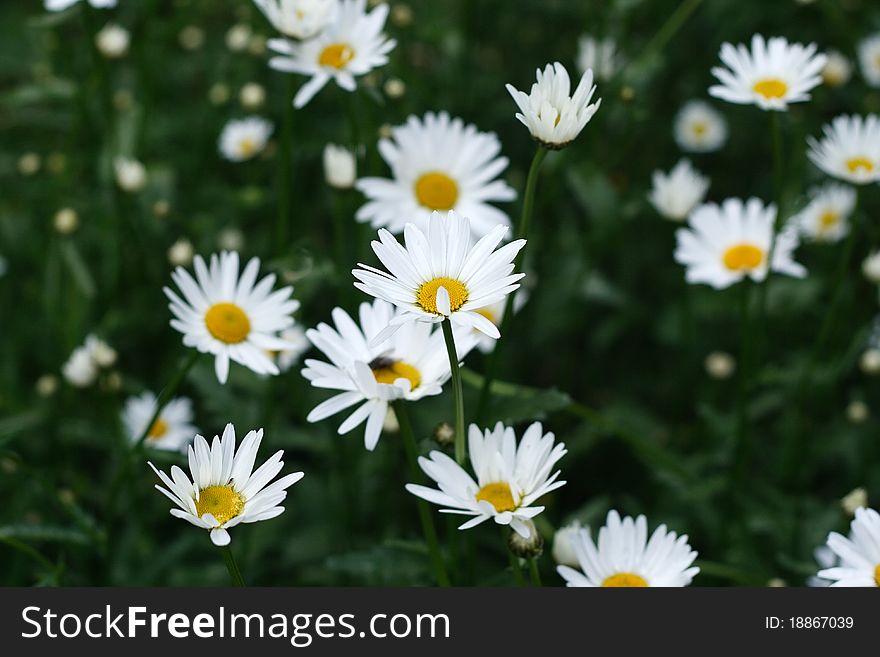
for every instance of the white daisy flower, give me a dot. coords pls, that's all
(297, 345)
(410, 365)
(352, 45)
(494, 312)
(772, 75)
(675, 194)
(552, 116)
(437, 164)
(172, 430)
(869, 59)
(726, 243)
(440, 275)
(699, 128)
(230, 316)
(623, 556)
(598, 55)
(826, 558)
(564, 553)
(300, 19)
(859, 554)
(849, 149)
(243, 139)
(99, 351)
(61, 5)
(131, 175)
(838, 69)
(80, 370)
(510, 478)
(225, 490)
(825, 218)
(871, 267)
(112, 41)
(340, 167)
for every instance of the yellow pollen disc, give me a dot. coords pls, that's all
(436, 191)
(877, 574)
(159, 429)
(336, 55)
(699, 128)
(426, 296)
(228, 323)
(222, 502)
(770, 88)
(856, 163)
(247, 147)
(828, 219)
(498, 495)
(743, 257)
(388, 371)
(625, 580)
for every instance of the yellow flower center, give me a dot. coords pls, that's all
(247, 147)
(619, 580)
(771, 88)
(159, 429)
(387, 370)
(228, 323)
(828, 219)
(699, 128)
(222, 502)
(498, 495)
(426, 296)
(336, 55)
(877, 574)
(856, 163)
(436, 191)
(743, 257)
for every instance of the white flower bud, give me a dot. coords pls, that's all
(720, 365)
(340, 169)
(563, 545)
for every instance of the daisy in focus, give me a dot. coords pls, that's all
(352, 45)
(173, 429)
(299, 19)
(243, 139)
(726, 243)
(510, 478)
(229, 316)
(409, 365)
(859, 554)
(552, 116)
(598, 55)
(826, 216)
(676, 193)
(771, 75)
(437, 164)
(699, 128)
(440, 274)
(869, 59)
(623, 556)
(849, 149)
(225, 489)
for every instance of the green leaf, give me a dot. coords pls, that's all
(46, 533)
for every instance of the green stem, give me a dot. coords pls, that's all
(428, 529)
(285, 170)
(232, 566)
(515, 567)
(534, 572)
(778, 178)
(742, 446)
(669, 29)
(457, 391)
(166, 394)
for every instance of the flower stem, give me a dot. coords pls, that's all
(232, 566)
(285, 170)
(457, 392)
(535, 574)
(428, 529)
(742, 436)
(165, 395)
(669, 29)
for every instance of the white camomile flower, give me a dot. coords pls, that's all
(676, 193)
(837, 70)
(61, 5)
(242, 139)
(410, 365)
(598, 55)
(131, 176)
(299, 19)
(437, 163)
(825, 217)
(871, 267)
(229, 316)
(297, 345)
(849, 149)
(225, 489)
(112, 41)
(772, 75)
(869, 59)
(340, 167)
(350, 46)
(859, 554)
(80, 370)
(173, 429)
(564, 553)
(623, 556)
(440, 274)
(723, 244)
(699, 128)
(552, 116)
(510, 478)
(826, 558)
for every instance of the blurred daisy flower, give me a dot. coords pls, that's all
(172, 430)
(494, 312)
(410, 365)
(726, 243)
(552, 116)
(676, 193)
(564, 538)
(623, 556)
(242, 139)
(510, 478)
(440, 274)
(297, 345)
(340, 167)
(869, 59)
(131, 176)
(112, 41)
(859, 554)
(61, 5)
(299, 19)
(598, 55)
(837, 70)
(772, 75)
(225, 489)
(825, 218)
(871, 267)
(350, 46)
(849, 149)
(437, 163)
(85, 362)
(699, 128)
(230, 316)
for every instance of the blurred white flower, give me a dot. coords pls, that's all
(826, 216)
(564, 553)
(218, 93)
(46, 385)
(112, 41)
(297, 345)
(180, 254)
(339, 166)
(869, 362)
(80, 370)
(857, 412)
(230, 239)
(238, 37)
(699, 128)
(849, 149)
(66, 221)
(869, 59)
(838, 69)
(859, 554)
(871, 267)
(300, 19)
(598, 55)
(131, 176)
(173, 429)
(252, 96)
(856, 499)
(191, 37)
(394, 88)
(675, 194)
(242, 139)
(720, 365)
(29, 164)
(61, 5)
